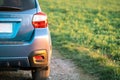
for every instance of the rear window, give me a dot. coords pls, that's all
(7, 5)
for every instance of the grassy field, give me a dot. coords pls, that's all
(88, 32)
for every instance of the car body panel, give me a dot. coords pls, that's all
(39, 41)
(21, 23)
(18, 45)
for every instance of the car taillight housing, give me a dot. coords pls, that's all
(40, 57)
(40, 20)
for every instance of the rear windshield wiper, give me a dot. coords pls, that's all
(9, 8)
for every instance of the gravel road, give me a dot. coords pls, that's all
(61, 69)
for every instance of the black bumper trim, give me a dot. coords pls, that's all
(14, 63)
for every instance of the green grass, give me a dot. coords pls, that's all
(88, 32)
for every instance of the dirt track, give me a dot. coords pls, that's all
(61, 69)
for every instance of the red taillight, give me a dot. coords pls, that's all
(38, 58)
(40, 20)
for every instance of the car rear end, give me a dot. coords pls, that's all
(25, 41)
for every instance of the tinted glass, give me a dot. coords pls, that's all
(21, 4)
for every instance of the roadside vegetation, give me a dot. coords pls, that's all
(88, 32)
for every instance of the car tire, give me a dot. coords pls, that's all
(39, 74)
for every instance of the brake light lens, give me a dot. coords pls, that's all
(38, 58)
(40, 20)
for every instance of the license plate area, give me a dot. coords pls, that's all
(6, 28)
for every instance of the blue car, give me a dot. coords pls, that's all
(25, 42)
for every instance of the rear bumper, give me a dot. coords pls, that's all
(14, 62)
(17, 55)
